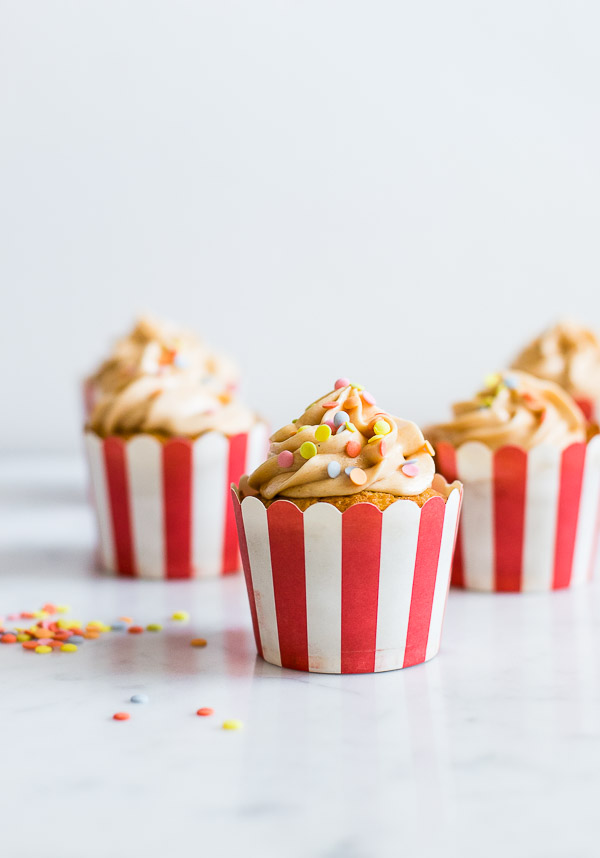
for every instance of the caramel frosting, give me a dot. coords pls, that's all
(160, 348)
(568, 354)
(343, 444)
(518, 409)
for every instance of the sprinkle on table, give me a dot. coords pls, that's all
(200, 642)
(204, 711)
(154, 627)
(133, 630)
(180, 616)
(232, 724)
(68, 647)
(139, 698)
(121, 716)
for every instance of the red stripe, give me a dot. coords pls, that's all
(510, 480)
(177, 497)
(115, 462)
(237, 509)
(286, 538)
(236, 466)
(426, 565)
(446, 464)
(587, 406)
(571, 478)
(361, 551)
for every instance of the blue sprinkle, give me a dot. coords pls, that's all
(510, 382)
(139, 698)
(348, 469)
(410, 462)
(340, 417)
(76, 639)
(334, 469)
(341, 428)
(118, 627)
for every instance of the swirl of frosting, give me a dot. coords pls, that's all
(341, 445)
(518, 409)
(160, 348)
(568, 354)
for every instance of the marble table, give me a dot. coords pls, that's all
(491, 749)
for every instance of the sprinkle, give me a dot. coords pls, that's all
(410, 470)
(76, 639)
(180, 616)
(340, 418)
(29, 644)
(23, 637)
(154, 627)
(133, 630)
(350, 426)
(63, 609)
(121, 716)
(342, 382)
(198, 642)
(374, 439)
(8, 638)
(95, 624)
(43, 649)
(510, 381)
(69, 647)
(367, 397)
(205, 710)
(352, 401)
(349, 470)
(118, 627)
(126, 619)
(357, 386)
(341, 428)
(330, 404)
(92, 636)
(358, 476)
(139, 698)
(429, 449)
(308, 450)
(353, 448)
(411, 462)
(331, 424)
(334, 469)
(49, 608)
(383, 448)
(323, 432)
(39, 614)
(492, 379)
(44, 641)
(232, 724)
(285, 459)
(382, 427)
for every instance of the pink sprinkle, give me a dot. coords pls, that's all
(285, 459)
(342, 382)
(44, 641)
(410, 470)
(367, 397)
(383, 448)
(331, 425)
(330, 404)
(12, 617)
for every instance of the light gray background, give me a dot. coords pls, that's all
(399, 192)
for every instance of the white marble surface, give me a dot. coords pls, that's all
(492, 749)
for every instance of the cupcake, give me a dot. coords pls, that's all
(531, 477)
(346, 535)
(569, 355)
(164, 439)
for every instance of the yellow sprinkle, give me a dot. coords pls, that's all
(357, 386)
(492, 379)
(429, 448)
(63, 609)
(73, 624)
(62, 624)
(43, 649)
(95, 624)
(39, 615)
(382, 427)
(198, 642)
(308, 450)
(68, 648)
(22, 638)
(233, 724)
(350, 426)
(323, 432)
(154, 627)
(374, 440)
(180, 616)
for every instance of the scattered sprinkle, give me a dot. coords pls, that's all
(180, 616)
(368, 398)
(118, 626)
(139, 698)
(285, 459)
(133, 630)
(492, 379)
(68, 647)
(510, 381)
(358, 476)
(342, 382)
(121, 716)
(126, 619)
(308, 450)
(340, 417)
(43, 649)
(349, 469)
(232, 724)
(323, 432)
(154, 627)
(63, 609)
(76, 639)
(205, 710)
(334, 469)
(8, 638)
(198, 642)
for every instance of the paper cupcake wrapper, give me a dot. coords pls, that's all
(361, 591)
(163, 508)
(590, 408)
(530, 520)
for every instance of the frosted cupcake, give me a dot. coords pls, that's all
(346, 536)
(531, 486)
(164, 441)
(569, 355)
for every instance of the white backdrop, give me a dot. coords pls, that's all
(401, 192)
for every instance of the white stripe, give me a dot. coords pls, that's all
(588, 511)
(258, 447)
(323, 566)
(209, 484)
(474, 464)
(144, 469)
(442, 580)
(541, 506)
(95, 454)
(257, 539)
(399, 536)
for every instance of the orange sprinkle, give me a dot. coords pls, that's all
(126, 619)
(91, 636)
(135, 630)
(206, 710)
(121, 716)
(29, 644)
(358, 476)
(198, 642)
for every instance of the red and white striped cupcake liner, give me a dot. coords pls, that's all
(590, 408)
(530, 519)
(163, 508)
(361, 591)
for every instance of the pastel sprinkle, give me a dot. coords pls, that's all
(139, 698)
(429, 449)
(308, 450)
(357, 386)
(121, 716)
(510, 381)
(349, 470)
(382, 427)
(323, 432)
(330, 404)
(126, 619)
(118, 627)
(133, 630)
(43, 649)
(68, 647)
(154, 627)
(353, 448)
(23, 637)
(340, 417)
(285, 459)
(383, 449)
(342, 382)
(76, 639)
(492, 379)
(180, 616)
(350, 426)
(334, 469)
(341, 428)
(8, 638)
(410, 470)
(358, 476)
(205, 710)
(63, 609)
(374, 439)
(198, 642)
(232, 724)
(331, 424)
(367, 397)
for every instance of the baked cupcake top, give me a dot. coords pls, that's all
(164, 381)
(568, 354)
(515, 408)
(343, 444)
